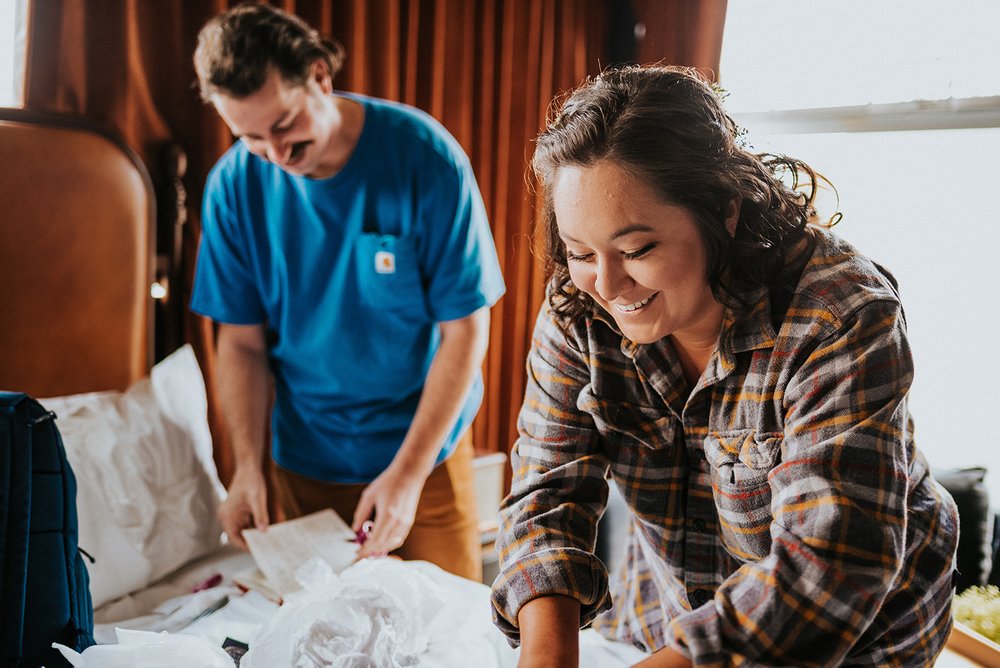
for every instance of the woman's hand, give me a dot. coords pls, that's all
(665, 658)
(393, 497)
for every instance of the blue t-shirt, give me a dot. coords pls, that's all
(350, 274)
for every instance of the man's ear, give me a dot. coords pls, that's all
(319, 73)
(733, 215)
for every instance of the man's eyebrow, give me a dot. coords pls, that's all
(274, 126)
(284, 118)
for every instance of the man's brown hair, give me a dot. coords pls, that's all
(237, 49)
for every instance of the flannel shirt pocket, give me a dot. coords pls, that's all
(639, 443)
(628, 424)
(739, 462)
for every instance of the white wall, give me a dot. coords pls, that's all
(927, 206)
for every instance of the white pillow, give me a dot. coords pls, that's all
(147, 487)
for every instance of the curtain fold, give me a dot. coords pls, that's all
(487, 69)
(681, 32)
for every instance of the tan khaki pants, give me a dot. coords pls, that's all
(445, 531)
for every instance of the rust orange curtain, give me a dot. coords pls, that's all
(681, 32)
(487, 69)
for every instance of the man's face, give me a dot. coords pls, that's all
(284, 123)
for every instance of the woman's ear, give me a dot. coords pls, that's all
(733, 215)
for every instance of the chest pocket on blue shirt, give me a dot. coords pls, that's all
(389, 272)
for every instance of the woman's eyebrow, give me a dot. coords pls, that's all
(630, 229)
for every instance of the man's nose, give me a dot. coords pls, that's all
(277, 151)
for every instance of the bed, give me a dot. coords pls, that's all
(148, 491)
(78, 260)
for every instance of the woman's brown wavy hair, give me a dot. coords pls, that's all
(666, 125)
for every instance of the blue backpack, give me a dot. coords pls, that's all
(45, 588)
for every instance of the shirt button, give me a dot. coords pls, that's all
(698, 597)
(698, 524)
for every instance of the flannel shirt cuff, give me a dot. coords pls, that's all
(564, 571)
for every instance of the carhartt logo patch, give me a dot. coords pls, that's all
(385, 262)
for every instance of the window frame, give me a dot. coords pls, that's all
(916, 115)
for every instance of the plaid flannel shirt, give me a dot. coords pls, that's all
(780, 513)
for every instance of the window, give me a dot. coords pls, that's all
(13, 32)
(897, 102)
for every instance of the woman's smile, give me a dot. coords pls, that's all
(634, 307)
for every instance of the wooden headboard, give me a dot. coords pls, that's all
(77, 257)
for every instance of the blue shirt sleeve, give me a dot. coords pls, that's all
(463, 272)
(224, 287)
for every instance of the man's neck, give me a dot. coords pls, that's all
(344, 135)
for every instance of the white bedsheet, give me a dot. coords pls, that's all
(461, 634)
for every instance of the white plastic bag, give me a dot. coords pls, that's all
(149, 650)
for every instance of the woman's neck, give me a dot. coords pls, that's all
(694, 359)
(695, 345)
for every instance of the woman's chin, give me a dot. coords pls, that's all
(641, 334)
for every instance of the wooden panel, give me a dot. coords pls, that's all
(76, 258)
(966, 643)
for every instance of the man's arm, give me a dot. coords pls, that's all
(244, 388)
(393, 496)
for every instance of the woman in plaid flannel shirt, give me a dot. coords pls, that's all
(741, 375)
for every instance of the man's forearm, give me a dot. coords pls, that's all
(244, 391)
(459, 357)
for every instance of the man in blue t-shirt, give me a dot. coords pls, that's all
(348, 262)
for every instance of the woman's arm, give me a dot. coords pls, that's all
(550, 633)
(559, 490)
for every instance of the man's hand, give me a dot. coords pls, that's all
(393, 497)
(245, 506)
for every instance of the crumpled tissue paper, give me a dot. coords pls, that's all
(373, 615)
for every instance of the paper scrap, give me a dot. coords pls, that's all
(281, 549)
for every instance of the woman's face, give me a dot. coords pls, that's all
(641, 259)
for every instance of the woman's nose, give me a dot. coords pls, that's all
(612, 280)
